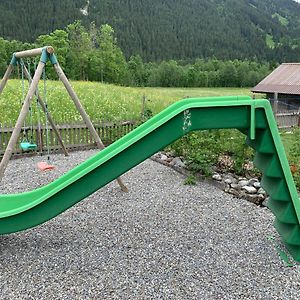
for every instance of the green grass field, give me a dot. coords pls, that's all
(107, 102)
(102, 101)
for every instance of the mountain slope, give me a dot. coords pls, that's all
(156, 29)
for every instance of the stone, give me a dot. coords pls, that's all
(252, 181)
(256, 184)
(156, 155)
(235, 186)
(265, 202)
(177, 162)
(243, 183)
(261, 191)
(228, 181)
(217, 177)
(163, 157)
(230, 177)
(234, 180)
(169, 154)
(250, 189)
(254, 199)
(233, 192)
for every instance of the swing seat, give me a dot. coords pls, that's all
(43, 166)
(26, 146)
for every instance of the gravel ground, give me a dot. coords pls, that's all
(162, 240)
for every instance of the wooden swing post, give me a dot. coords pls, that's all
(6, 77)
(28, 99)
(20, 121)
(45, 53)
(83, 114)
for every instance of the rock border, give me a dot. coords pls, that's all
(240, 187)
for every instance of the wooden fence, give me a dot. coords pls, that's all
(288, 119)
(286, 115)
(75, 136)
(78, 137)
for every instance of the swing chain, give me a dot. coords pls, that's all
(22, 80)
(23, 98)
(46, 113)
(26, 143)
(30, 107)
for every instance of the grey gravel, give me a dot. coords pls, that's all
(162, 240)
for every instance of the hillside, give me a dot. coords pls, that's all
(157, 30)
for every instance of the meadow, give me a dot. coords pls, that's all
(102, 101)
(107, 102)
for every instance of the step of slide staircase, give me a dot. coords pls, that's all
(275, 184)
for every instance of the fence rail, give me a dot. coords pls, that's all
(75, 136)
(78, 137)
(288, 119)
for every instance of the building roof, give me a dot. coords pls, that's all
(283, 80)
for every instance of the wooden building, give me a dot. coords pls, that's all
(282, 85)
(282, 88)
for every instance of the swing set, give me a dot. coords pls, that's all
(27, 143)
(45, 54)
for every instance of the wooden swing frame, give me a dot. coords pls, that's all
(46, 54)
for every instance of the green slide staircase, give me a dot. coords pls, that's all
(252, 117)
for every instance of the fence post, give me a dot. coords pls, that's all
(275, 103)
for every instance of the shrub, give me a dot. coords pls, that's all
(202, 150)
(294, 155)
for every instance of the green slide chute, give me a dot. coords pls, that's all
(254, 118)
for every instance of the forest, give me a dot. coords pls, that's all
(156, 30)
(169, 43)
(93, 54)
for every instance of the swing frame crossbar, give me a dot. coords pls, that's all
(46, 54)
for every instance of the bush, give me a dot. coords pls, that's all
(202, 151)
(294, 156)
(225, 150)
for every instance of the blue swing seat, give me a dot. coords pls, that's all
(27, 146)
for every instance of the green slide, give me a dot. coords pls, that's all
(254, 118)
